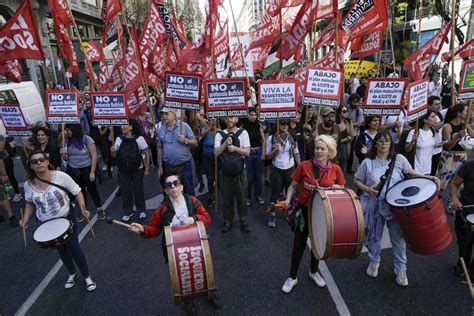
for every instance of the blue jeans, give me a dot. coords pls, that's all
(254, 167)
(208, 164)
(187, 175)
(71, 252)
(398, 244)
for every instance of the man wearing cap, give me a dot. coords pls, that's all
(328, 125)
(174, 154)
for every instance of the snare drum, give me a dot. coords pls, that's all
(53, 233)
(420, 213)
(190, 262)
(336, 224)
(470, 221)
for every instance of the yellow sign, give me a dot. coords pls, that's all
(360, 68)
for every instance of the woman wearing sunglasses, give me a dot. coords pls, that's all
(177, 209)
(46, 196)
(376, 210)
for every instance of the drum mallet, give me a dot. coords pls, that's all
(90, 226)
(24, 232)
(110, 220)
(468, 278)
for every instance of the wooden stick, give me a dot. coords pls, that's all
(215, 183)
(24, 231)
(468, 116)
(453, 29)
(90, 226)
(113, 221)
(466, 275)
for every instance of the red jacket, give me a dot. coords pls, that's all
(163, 216)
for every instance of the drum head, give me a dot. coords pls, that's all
(51, 229)
(411, 192)
(470, 218)
(319, 230)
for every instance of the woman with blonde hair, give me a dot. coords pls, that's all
(309, 176)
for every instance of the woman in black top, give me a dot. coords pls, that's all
(47, 145)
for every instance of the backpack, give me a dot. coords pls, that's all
(231, 163)
(129, 158)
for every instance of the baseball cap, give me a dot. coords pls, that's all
(167, 110)
(327, 110)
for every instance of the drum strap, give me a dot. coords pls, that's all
(316, 171)
(71, 214)
(386, 177)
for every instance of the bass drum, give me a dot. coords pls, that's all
(419, 211)
(190, 262)
(336, 223)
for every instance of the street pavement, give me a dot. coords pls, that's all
(249, 268)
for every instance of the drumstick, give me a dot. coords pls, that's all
(90, 226)
(24, 232)
(468, 278)
(110, 220)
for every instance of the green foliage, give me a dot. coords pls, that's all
(400, 13)
(403, 51)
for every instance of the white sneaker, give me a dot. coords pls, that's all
(71, 280)
(142, 215)
(17, 198)
(90, 284)
(373, 269)
(127, 217)
(318, 279)
(402, 279)
(289, 285)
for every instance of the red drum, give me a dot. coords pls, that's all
(420, 213)
(190, 263)
(336, 224)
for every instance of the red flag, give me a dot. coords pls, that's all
(112, 31)
(110, 8)
(417, 64)
(300, 28)
(236, 59)
(328, 60)
(19, 36)
(260, 57)
(11, 69)
(60, 11)
(66, 49)
(363, 16)
(370, 45)
(221, 44)
(326, 9)
(136, 100)
(117, 74)
(327, 36)
(466, 50)
(151, 37)
(300, 76)
(94, 52)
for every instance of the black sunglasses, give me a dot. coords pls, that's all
(36, 161)
(172, 184)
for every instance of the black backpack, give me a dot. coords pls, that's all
(231, 163)
(129, 158)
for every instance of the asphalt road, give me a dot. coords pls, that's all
(250, 269)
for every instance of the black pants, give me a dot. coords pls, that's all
(465, 238)
(10, 168)
(435, 163)
(81, 177)
(350, 159)
(131, 186)
(299, 245)
(280, 180)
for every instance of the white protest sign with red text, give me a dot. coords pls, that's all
(323, 87)
(11, 114)
(384, 96)
(226, 97)
(109, 108)
(417, 99)
(62, 106)
(277, 99)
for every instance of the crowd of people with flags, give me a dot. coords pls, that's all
(177, 143)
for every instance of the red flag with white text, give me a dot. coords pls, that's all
(363, 16)
(11, 70)
(466, 50)
(19, 36)
(371, 45)
(136, 100)
(66, 49)
(60, 11)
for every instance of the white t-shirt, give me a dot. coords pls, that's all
(243, 139)
(434, 89)
(355, 83)
(284, 160)
(439, 138)
(402, 118)
(424, 150)
(53, 202)
(142, 146)
(181, 212)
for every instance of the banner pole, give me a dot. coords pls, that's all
(453, 31)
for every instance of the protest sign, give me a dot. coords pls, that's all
(384, 96)
(62, 106)
(323, 87)
(466, 88)
(182, 91)
(417, 99)
(109, 108)
(359, 67)
(11, 114)
(277, 99)
(226, 97)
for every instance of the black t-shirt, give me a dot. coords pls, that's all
(466, 172)
(253, 129)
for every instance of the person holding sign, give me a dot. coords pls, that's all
(383, 165)
(366, 138)
(175, 140)
(282, 149)
(230, 146)
(304, 180)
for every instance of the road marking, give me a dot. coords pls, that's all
(332, 287)
(52, 273)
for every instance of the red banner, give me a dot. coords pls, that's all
(61, 12)
(66, 49)
(151, 38)
(466, 50)
(11, 70)
(417, 64)
(328, 61)
(94, 52)
(19, 36)
(371, 45)
(363, 16)
(221, 44)
(110, 8)
(136, 100)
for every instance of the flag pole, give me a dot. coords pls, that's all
(52, 60)
(453, 76)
